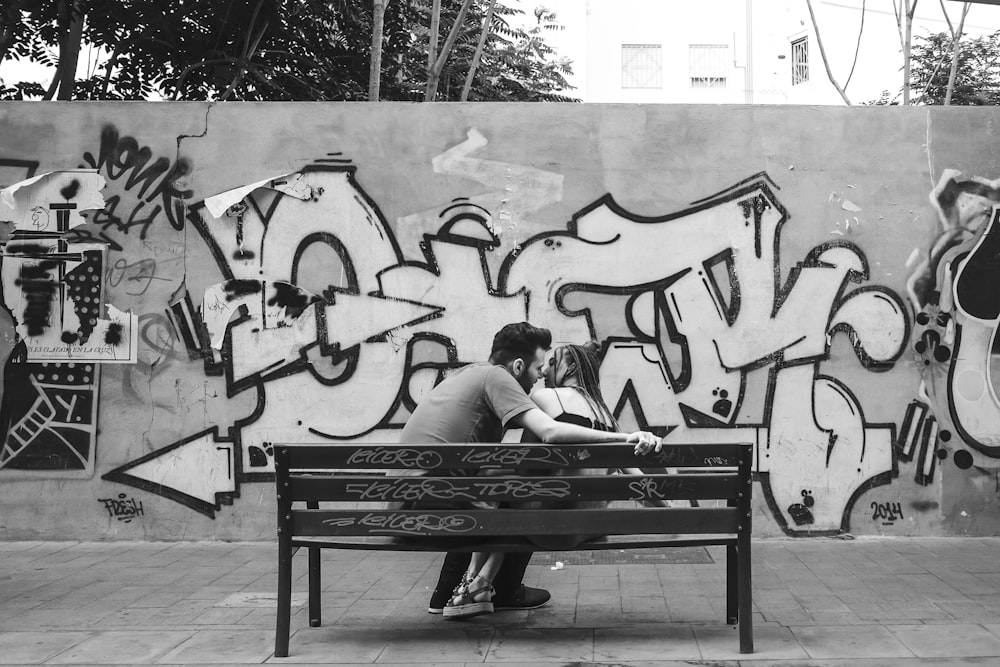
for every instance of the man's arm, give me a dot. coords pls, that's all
(551, 431)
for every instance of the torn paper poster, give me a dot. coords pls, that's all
(53, 289)
(55, 292)
(290, 184)
(51, 203)
(268, 304)
(113, 340)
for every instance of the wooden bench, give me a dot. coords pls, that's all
(308, 475)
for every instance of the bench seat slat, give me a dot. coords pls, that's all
(379, 488)
(469, 523)
(386, 543)
(506, 455)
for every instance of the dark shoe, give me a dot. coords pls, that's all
(453, 570)
(437, 603)
(524, 597)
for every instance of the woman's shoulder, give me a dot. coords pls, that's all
(547, 399)
(545, 394)
(559, 400)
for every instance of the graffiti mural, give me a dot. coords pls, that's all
(176, 299)
(339, 334)
(956, 415)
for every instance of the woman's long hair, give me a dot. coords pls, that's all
(588, 375)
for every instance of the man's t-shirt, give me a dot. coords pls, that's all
(474, 404)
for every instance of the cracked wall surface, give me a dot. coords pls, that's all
(185, 284)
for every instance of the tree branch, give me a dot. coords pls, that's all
(375, 69)
(432, 42)
(70, 37)
(857, 48)
(907, 48)
(190, 68)
(956, 48)
(235, 82)
(109, 67)
(318, 94)
(947, 19)
(822, 53)
(471, 75)
(898, 10)
(435, 74)
(930, 80)
(253, 20)
(248, 53)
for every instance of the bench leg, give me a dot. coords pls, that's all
(315, 594)
(732, 577)
(744, 586)
(284, 611)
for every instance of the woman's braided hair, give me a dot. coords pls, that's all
(588, 374)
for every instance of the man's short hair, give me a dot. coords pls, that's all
(519, 340)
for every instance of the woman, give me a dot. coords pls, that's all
(572, 394)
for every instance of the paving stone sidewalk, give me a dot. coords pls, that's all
(869, 602)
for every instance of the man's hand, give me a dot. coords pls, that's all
(644, 442)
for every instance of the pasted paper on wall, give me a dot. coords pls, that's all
(52, 202)
(53, 286)
(290, 184)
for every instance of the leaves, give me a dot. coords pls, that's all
(279, 50)
(977, 77)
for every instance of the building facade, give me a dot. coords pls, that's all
(741, 51)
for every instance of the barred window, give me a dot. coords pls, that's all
(709, 65)
(642, 66)
(800, 61)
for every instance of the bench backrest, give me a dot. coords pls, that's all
(459, 474)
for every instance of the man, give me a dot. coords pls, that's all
(478, 403)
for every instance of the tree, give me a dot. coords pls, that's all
(264, 49)
(516, 64)
(188, 49)
(977, 69)
(904, 11)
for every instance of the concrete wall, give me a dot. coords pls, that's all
(819, 281)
